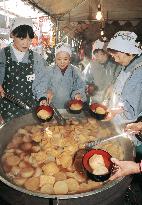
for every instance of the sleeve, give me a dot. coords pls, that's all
(40, 84)
(2, 66)
(78, 85)
(132, 97)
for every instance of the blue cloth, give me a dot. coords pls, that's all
(131, 95)
(64, 86)
(39, 67)
(102, 76)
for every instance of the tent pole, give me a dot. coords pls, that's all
(57, 30)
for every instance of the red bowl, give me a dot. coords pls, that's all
(48, 112)
(97, 115)
(75, 106)
(107, 161)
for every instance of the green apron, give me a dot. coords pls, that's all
(16, 83)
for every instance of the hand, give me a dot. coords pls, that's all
(43, 102)
(112, 112)
(1, 91)
(77, 96)
(124, 168)
(50, 95)
(135, 127)
(90, 89)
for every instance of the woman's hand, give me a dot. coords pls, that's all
(134, 127)
(1, 91)
(90, 89)
(113, 112)
(124, 168)
(77, 96)
(43, 102)
(50, 95)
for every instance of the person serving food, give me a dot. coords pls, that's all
(62, 81)
(125, 103)
(21, 69)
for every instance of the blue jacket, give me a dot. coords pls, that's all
(64, 86)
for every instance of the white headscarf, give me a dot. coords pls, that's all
(20, 21)
(125, 41)
(99, 45)
(63, 47)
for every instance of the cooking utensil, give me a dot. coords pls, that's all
(97, 176)
(75, 106)
(88, 146)
(95, 109)
(16, 195)
(44, 113)
(94, 143)
(58, 116)
(17, 101)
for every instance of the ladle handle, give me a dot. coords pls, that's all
(16, 101)
(58, 116)
(92, 144)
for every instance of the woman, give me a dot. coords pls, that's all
(126, 99)
(102, 72)
(21, 69)
(62, 81)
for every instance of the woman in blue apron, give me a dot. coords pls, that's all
(21, 69)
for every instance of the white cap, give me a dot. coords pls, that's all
(125, 41)
(63, 47)
(20, 21)
(98, 45)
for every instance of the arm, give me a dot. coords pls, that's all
(40, 84)
(78, 86)
(125, 168)
(132, 96)
(136, 127)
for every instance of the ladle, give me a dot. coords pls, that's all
(60, 120)
(17, 101)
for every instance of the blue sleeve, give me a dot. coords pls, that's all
(78, 85)
(40, 83)
(132, 96)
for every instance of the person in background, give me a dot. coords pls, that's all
(62, 81)
(126, 99)
(21, 69)
(87, 57)
(100, 73)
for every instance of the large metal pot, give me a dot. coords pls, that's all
(110, 193)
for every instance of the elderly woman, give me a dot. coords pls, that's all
(126, 99)
(62, 81)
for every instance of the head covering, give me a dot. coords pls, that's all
(63, 47)
(125, 41)
(99, 45)
(20, 21)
